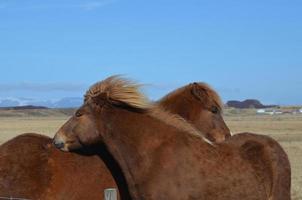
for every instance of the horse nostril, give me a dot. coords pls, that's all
(58, 144)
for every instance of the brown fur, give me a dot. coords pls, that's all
(200, 91)
(176, 121)
(31, 168)
(31, 179)
(200, 105)
(16, 169)
(35, 152)
(269, 161)
(162, 162)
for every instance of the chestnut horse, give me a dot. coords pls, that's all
(31, 168)
(161, 155)
(200, 105)
(50, 165)
(265, 155)
(269, 161)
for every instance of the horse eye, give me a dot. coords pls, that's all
(214, 109)
(78, 114)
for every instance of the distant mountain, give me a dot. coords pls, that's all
(249, 103)
(67, 102)
(29, 107)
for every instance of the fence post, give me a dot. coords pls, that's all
(110, 194)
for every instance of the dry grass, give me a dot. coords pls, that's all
(10, 127)
(287, 129)
(46, 121)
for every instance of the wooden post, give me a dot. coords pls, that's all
(110, 194)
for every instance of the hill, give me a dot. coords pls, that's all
(36, 112)
(66, 102)
(248, 103)
(28, 107)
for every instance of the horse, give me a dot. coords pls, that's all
(160, 154)
(33, 150)
(269, 160)
(265, 155)
(201, 106)
(31, 168)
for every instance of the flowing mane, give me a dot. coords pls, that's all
(119, 89)
(176, 121)
(212, 96)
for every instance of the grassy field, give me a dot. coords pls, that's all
(287, 129)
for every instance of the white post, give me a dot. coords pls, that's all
(110, 194)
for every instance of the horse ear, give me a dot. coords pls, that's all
(100, 99)
(199, 92)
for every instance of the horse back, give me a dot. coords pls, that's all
(23, 166)
(269, 161)
(32, 168)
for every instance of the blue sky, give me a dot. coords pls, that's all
(244, 49)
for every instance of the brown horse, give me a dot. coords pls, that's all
(200, 105)
(34, 151)
(31, 168)
(265, 155)
(161, 155)
(269, 161)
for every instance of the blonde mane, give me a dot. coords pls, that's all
(176, 121)
(119, 89)
(116, 88)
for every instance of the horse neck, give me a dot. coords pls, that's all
(183, 104)
(131, 138)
